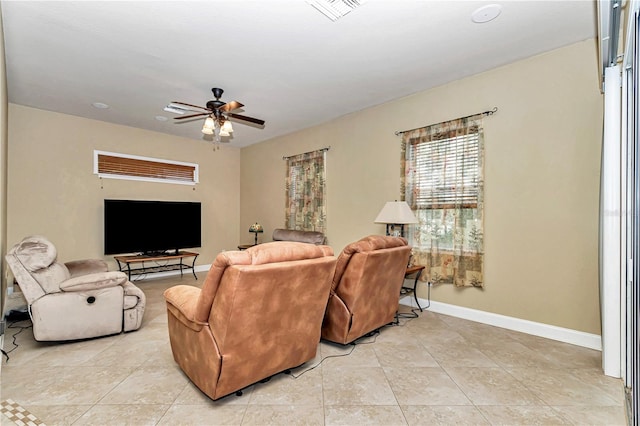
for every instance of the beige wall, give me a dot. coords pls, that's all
(3, 170)
(541, 181)
(53, 191)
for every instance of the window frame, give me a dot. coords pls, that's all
(96, 169)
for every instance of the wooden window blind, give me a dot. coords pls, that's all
(122, 166)
(447, 172)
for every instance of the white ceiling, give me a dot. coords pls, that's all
(289, 64)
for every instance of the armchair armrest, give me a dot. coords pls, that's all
(131, 290)
(94, 281)
(133, 297)
(181, 302)
(87, 266)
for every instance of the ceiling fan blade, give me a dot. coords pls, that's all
(230, 106)
(191, 115)
(189, 105)
(245, 118)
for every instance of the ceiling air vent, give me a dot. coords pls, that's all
(335, 9)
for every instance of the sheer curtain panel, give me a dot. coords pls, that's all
(305, 187)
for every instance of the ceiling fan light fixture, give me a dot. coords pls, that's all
(335, 9)
(226, 127)
(209, 123)
(216, 115)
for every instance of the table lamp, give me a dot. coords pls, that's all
(396, 213)
(256, 228)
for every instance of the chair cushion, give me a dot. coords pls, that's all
(273, 252)
(366, 244)
(35, 252)
(51, 277)
(311, 237)
(285, 251)
(94, 281)
(86, 266)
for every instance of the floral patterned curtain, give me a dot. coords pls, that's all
(443, 183)
(305, 208)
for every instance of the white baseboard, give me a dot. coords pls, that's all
(566, 335)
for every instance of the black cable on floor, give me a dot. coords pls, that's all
(14, 343)
(353, 344)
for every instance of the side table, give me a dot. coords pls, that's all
(411, 270)
(245, 246)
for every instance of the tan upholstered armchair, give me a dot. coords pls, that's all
(259, 312)
(74, 300)
(366, 287)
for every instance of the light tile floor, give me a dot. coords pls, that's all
(432, 370)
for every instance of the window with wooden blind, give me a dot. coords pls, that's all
(113, 165)
(442, 180)
(447, 172)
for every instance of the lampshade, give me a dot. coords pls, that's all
(256, 227)
(224, 133)
(396, 212)
(209, 123)
(226, 127)
(207, 131)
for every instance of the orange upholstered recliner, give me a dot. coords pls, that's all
(259, 312)
(366, 287)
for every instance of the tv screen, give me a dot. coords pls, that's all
(150, 226)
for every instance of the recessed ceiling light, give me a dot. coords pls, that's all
(161, 118)
(486, 13)
(100, 105)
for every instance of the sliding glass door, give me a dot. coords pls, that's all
(630, 161)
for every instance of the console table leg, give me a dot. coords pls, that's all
(415, 284)
(193, 267)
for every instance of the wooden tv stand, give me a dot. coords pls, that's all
(124, 263)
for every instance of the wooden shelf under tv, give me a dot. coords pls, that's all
(125, 262)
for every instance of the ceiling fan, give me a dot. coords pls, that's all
(217, 112)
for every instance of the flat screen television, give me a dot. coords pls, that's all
(151, 227)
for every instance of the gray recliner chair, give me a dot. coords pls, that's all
(310, 237)
(74, 300)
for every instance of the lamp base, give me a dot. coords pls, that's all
(393, 231)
